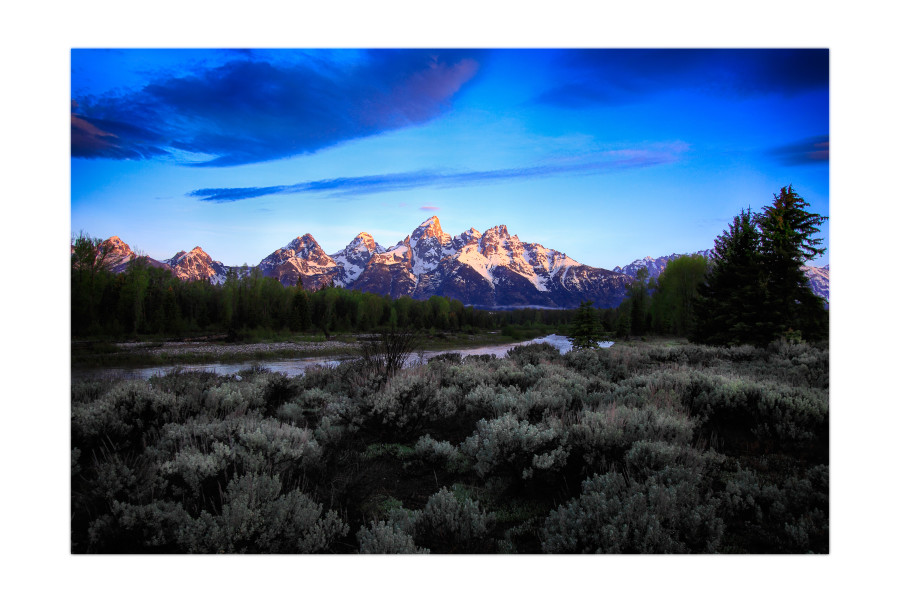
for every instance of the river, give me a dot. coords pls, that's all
(297, 366)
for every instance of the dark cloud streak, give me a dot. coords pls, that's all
(249, 110)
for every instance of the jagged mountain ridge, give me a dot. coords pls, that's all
(120, 255)
(197, 265)
(655, 266)
(493, 268)
(818, 276)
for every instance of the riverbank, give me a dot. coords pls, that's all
(102, 354)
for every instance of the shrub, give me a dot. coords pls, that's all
(669, 512)
(603, 436)
(446, 358)
(466, 376)
(523, 377)
(442, 453)
(89, 390)
(235, 398)
(384, 538)
(764, 517)
(158, 527)
(411, 400)
(514, 448)
(533, 354)
(494, 401)
(449, 524)
(556, 395)
(121, 417)
(648, 458)
(194, 467)
(249, 444)
(257, 517)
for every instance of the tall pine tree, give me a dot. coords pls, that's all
(729, 308)
(585, 333)
(787, 242)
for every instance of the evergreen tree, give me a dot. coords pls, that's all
(787, 242)
(300, 319)
(584, 327)
(623, 319)
(730, 307)
(638, 293)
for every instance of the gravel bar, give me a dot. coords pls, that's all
(182, 348)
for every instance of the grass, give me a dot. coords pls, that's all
(105, 353)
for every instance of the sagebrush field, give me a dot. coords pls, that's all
(645, 447)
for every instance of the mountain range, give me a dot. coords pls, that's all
(490, 269)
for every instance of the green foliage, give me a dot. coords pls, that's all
(441, 453)
(787, 242)
(585, 331)
(639, 300)
(755, 291)
(449, 524)
(672, 305)
(729, 309)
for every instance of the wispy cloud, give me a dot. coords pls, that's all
(597, 77)
(810, 151)
(345, 186)
(430, 208)
(253, 109)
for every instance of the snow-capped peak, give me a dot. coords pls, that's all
(429, 228)
(364, 242)
(301, 242)
(431, 222)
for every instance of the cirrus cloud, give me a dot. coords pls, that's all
(606, 162)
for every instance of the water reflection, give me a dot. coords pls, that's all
(297, 367)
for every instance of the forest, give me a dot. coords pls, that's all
(704, 429)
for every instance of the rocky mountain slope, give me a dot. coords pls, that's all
(197, 265)
(120, 255)
(818, 279)
(654, 266)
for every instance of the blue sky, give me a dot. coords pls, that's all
(607, 155)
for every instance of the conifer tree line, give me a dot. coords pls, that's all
(752, 291)
(147, 300)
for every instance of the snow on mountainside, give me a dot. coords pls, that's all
(352, 260)
(655, 266)
(491, 268)
(818, 280)
(302, 259)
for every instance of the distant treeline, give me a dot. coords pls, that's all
(149, 300)
(752, 292)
